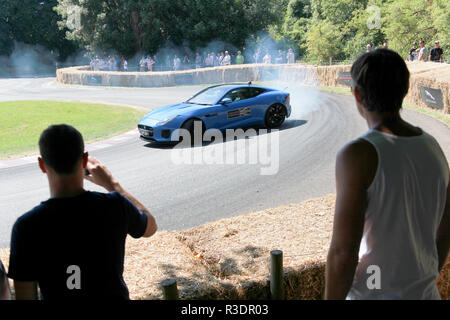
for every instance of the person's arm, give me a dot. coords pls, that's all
(25, 290)
(101, 176)
(352, 170)
(443, 233)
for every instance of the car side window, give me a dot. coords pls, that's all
(237, 94)
(253, 92)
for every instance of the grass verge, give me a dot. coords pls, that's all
(22, 122)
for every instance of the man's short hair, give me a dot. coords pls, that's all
(382, 79)
(61, 147)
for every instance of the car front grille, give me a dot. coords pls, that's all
(145, 130)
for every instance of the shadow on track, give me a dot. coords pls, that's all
(288, 124)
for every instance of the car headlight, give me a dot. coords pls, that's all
(166, 121)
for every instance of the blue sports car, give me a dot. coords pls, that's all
(225, 106)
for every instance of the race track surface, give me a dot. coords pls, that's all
(186, 195)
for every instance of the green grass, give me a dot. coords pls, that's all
(21, 122)
(444, 118)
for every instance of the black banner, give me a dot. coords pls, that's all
(432, 97)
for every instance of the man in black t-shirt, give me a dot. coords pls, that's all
(73, 244)
(436, 54)
(413, 52)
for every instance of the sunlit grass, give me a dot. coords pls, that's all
(21, 122)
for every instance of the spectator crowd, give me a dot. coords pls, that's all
(421, 54)
(185, 61)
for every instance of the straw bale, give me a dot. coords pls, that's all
(435, 75)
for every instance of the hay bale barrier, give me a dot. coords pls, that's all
(230, 258)
(429, 74)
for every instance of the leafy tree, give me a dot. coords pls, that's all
(409, 21)
(296, 21)
(6, 39)
(32, 22)
(323, 40)
(129, 26)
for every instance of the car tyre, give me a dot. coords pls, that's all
(275, 116)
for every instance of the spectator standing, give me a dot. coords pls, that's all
(150, 63)
(143, 64)
(186, 62)
(239, 58)
(176, 63)
(279, 59)
(267, 58)
(436, 54)
(73, 244)
(208, 60)
(391, 232)
(257, 56)
(221, 57)
(422, 51)
(198, 61)
(413, 52)
(369, 47)
(213, 59)
(290, 57)
(226, 59)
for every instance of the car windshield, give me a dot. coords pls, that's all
(209, 96)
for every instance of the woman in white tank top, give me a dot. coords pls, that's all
(391, 232)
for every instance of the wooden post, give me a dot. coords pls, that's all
(276, 275)
(170, 289)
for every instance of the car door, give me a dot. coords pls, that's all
(238, 113)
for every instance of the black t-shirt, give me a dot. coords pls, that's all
(435, 54)
(87, 231)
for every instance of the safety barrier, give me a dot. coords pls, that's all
(428, 74)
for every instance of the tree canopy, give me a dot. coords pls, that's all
(317, 29)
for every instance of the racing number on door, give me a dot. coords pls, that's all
(242, 112)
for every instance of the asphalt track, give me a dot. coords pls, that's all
(186, 195)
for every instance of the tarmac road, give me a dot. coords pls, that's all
(186, 195)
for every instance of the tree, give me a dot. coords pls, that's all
(408, 21)
(6, 39)
(323, 41)
(130, 26)
(32, 22)
(296, 21)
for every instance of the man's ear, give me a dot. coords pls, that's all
(42, 165)
(357, 96)
(85, 159)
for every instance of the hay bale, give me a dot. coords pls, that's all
(238, 249)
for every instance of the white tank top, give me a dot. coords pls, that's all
(405, 204)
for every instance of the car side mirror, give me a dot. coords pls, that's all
(226, 101)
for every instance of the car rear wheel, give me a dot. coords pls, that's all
(275, 116)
